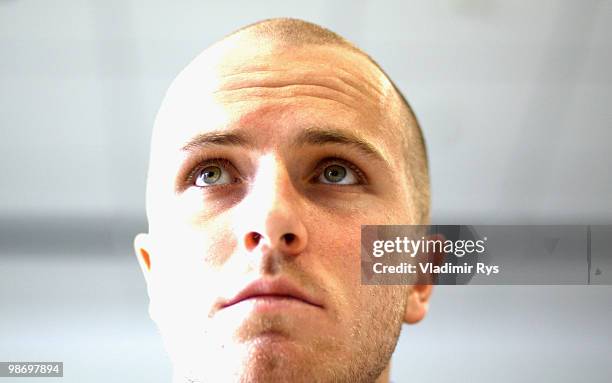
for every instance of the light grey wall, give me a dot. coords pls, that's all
(514, 99)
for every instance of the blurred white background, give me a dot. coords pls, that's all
(515, 99)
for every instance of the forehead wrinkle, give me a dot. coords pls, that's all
(240, 82)
(290, 90)
(272, 79)
(350, 72)
(255, 93)
(277, 83)
(284, 89)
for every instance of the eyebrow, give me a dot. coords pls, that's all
(216, 138)
(319, 136)
(310, 136)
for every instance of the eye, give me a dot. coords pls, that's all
(339, 174)
(213, 175)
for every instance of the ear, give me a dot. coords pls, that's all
(419, 294)
(418, 303)
(142, 250)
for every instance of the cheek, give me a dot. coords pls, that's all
(335, 258)
(336, 247)
(185, 267)
(336, 242)
(195, 242)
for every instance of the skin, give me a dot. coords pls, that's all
(205, 243)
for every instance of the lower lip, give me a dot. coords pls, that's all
(275, 304)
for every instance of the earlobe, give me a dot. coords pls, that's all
(419, 294)
(142, 252)
(418, 303)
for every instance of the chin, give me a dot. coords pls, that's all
(273, 361)
(266, 358)
(277, 356)
(269, 358)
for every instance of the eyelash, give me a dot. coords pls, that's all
(203, 163)
(227, 166)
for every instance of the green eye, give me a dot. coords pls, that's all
(210, 175)
(334, 173)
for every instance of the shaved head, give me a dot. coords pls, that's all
(270, 150)
(287, 33)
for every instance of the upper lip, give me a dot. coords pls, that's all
(279, 287)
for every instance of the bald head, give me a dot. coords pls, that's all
(286, 34)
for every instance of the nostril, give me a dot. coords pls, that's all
(289, 238)
(252, 240)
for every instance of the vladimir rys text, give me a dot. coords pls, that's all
(430, 247)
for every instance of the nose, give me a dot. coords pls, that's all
(272, 216)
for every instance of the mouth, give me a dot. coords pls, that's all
(272, 294)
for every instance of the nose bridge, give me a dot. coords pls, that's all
(268, 185)
(272, 217)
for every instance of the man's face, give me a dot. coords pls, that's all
(265, 163)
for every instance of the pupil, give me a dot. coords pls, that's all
(211, 175)
(335, 173)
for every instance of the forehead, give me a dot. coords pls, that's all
(275, 91)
